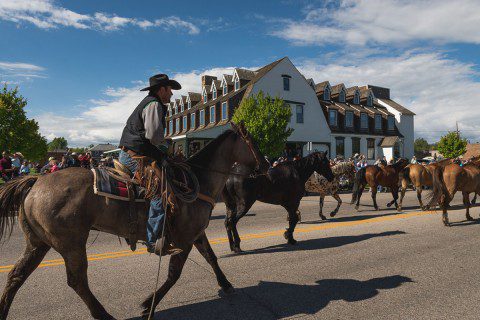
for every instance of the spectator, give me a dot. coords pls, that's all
(414, 160)
(6, 170)
(73, 160)
(25, 168)
(64, 163)
(48, 166)
(84, 160)
(54, 166)
(16, 164)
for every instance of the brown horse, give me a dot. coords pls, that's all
(450, 178)
(284, 185)
(386, 176)
(59, 210)
(419, 176)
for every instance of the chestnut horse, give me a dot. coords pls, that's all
(419, 176)
(450, 178)
(386, 176)
(59, 210)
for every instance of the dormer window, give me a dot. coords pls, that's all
(170, 112)
(214, 94)
(182, 108)
(326, 93)
(237, 82)
(356, 98)
(370, 100)
(205, 96)
(225, 88)
(189, 104)
(341, 96)
(170, 127)
(391, 123)
(286, 82)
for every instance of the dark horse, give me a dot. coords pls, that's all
(284, 185)
(386, 176)
(59, 210)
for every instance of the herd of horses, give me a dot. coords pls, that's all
(59, 210)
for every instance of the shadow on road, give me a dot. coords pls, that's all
(317, 244)
(222, 217)
(353, 217)
(275, 300)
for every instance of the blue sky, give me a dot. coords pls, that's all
(80, 63)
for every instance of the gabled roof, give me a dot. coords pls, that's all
(194, 96)
(351, 92)
(337, 88)
(184, 99)
(228, 79)
(398, 107)
(244, 74)
(320, 87)
(364, 92)
(389, 141)
(207, 88)
(217, 83)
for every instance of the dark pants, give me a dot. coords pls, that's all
(156, 214)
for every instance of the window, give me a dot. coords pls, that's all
(363, 121)
(370, 100)
(177, 125)
(370, 149)
(202, 117)
(332, 117)
(170, 127)
(189, 104)
(391, 123)
(378, 122)
(192, 120)
(341, 97)
(184, 123)
(286, 83)
(326, 93)
(224, 110)
(212, 114)
(175, 110)
(205, 96)
(165, 132)
(356, 98)
(237, 84)
(182, 108)
(214, 94)
(299, 113)
(225, 88)
(355, 145)
(340, 146)
(349, 119)
(169, 112)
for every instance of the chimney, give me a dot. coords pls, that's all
(207, 80)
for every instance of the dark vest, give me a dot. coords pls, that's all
(133, 136)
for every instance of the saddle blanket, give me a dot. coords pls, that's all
(106, 185)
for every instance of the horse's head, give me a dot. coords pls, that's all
(401, 163)
(322, 165)
(246, 151)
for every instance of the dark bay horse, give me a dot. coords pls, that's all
(284, 185)
(59, 210)
(450, 178)
(386, 176)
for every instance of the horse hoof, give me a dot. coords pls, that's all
(322, 217)
(286, 235)
(356, 208)
(332, 214)
(228, 290)
(292, 241)
(470, 218)
(389, 205)
(237, 250)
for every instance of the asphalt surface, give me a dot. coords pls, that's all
(365, 265)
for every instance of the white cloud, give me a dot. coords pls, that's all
(439, 90)
(105, 118)
(46, 14)
(19, 70)
(385, 22)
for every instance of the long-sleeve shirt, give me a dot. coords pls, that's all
(152, 119)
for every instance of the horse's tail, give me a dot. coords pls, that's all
(12, 195)
(405, 175)
(439, 189)
(359, 180)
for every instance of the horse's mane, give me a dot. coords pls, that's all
(205, 154)
(342, 167)
(300, 164)
(397, 164)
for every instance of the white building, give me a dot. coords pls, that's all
(342, 120)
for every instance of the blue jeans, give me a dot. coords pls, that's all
(156, 214)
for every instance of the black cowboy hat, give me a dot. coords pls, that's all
(162, 80)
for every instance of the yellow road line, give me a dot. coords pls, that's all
(323, 226)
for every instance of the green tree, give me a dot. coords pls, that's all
(17, 132)
(452, 145)
(58, 144)
(267, 121)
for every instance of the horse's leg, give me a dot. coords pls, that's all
(32, 256)
(174, 271)
(242, 210)
(374, 197)
(292, 223)
(360, 191)
(474, 200)
(466, 202)
(230, 215)
(76, 264)
(402, 194)
(339, 203)
(419, 197)
(444, 205)
(203, 246)
(320, 213)
(394, 191)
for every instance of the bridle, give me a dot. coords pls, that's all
(247, 140)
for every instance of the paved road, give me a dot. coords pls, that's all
(366, 265)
